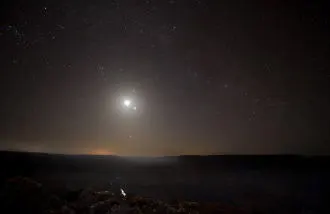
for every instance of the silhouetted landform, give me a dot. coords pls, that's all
(28, 163)
(267, 184)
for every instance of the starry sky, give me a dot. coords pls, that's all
(207, 77)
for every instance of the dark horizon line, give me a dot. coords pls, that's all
(164, 156)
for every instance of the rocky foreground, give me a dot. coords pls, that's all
(24, 195)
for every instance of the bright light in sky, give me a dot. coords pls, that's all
(127, 103)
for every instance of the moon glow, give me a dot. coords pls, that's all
(127, 103)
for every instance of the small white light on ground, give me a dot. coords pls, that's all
(122, 192)
(134, 108)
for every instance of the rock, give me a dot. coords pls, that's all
(67, 210)
(73, 195)
(87, 197)
(170, 210)
(55, 202)
(103, 195)
(23, 194)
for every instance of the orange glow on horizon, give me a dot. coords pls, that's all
(101, 152)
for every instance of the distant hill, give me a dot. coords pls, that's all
(24, 163)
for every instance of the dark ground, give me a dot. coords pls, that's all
(271, 184)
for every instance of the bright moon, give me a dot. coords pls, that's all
(127, 103)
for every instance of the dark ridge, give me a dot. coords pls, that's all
(28, 163)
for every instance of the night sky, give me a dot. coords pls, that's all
(205, 77)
